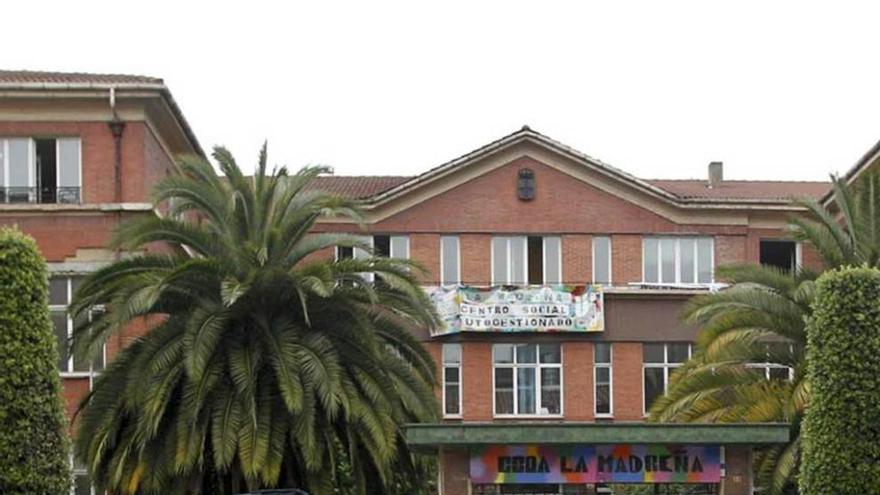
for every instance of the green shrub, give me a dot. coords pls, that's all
(33, 439)
(842, 424)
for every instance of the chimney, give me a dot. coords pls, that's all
(716, 174)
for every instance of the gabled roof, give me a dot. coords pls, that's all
(375, 189)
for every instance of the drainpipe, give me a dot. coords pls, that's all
(116, 127)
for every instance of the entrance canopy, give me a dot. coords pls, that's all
(475, 434)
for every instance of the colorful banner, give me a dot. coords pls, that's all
(596, 464)
(528, 309)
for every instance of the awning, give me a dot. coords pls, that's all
(464, 434)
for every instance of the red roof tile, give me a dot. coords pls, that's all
(46, 77)
(743, 189)
(356, 187)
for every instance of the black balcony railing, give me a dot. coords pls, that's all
(43, 195)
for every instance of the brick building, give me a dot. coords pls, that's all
(78, 154)
(560, 279)
(538, 409)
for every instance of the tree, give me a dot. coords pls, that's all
(841, 433)
(761, 318)
(33, 438)
(266, 365)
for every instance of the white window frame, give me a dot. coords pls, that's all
(64, 308)
(509, 268)
(538, 367)
(391, 253)
(58, 163)
(610, 255)
(32, 164)
(75, 471)
(766, 365)
(610, 366)
(457, 365)
(798, 250)
(667, 368)
(678, 282)
(544, 258)
(457, 257)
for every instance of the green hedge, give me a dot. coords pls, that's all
(33, 439)
(841, 454)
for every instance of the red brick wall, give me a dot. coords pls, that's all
(577, 259)
(626, 259)
(455, 470)
(626, 374)
(425, 250)
(476, 379)
(98, 156)
(730, 249)
(562, 204)
(476, 258)
(578, 380)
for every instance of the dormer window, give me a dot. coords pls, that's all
(40, 170)
(526, 184)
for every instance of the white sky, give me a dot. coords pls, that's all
(776, 90)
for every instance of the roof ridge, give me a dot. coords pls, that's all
(31, 72)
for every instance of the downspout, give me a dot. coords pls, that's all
(116, 127)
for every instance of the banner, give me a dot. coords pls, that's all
(528, 309)
(596, 464)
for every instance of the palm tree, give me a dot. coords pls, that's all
(263, 366)
(761, 318)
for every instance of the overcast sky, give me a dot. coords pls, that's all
(776, 90)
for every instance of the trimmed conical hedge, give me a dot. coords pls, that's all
(841, 453)
(33, 439)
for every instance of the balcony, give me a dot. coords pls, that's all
(40, 195)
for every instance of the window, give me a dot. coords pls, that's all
(602, 260)
(781, 254)
(678, 260)
(40, 170)
(602, 379)
(452, 380)
(659, 360)
(82, 484)
(527, 379)
(518, 260)
(391, 246)
(450, 268)
(771, 367)
(61, 291)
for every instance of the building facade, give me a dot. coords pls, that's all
(560, 280)
(78, 155)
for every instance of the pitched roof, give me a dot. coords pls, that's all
(379, 188)
(48, 77)
(356, 187)
(30, 81)
(743, 189)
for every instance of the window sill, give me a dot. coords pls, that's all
(78, 374)
(603, 416)
(61, 207)
(453, 416)
(528, 416)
